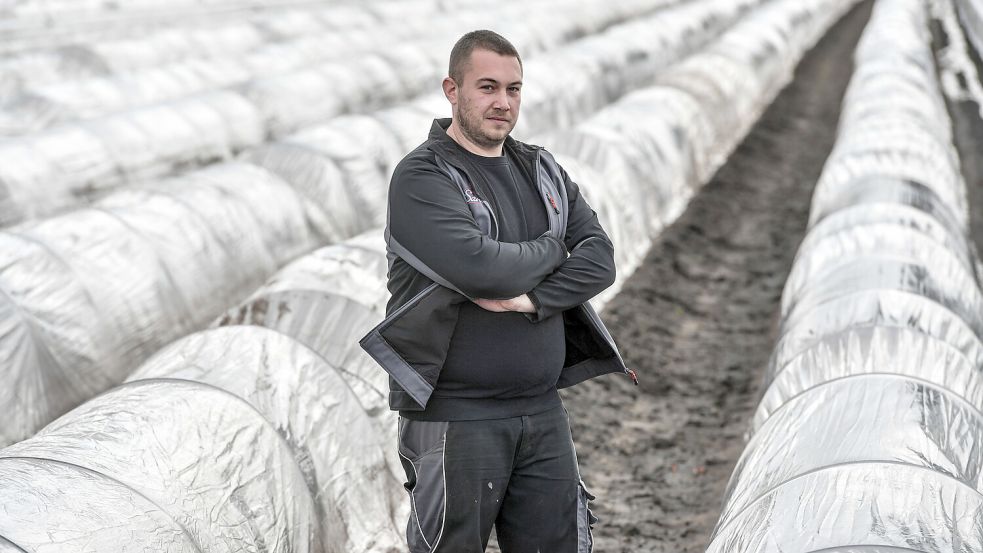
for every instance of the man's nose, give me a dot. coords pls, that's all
(501, 101)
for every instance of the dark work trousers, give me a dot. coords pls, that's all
(519, 474)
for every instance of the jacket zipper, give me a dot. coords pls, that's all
(539, 184)
(597, 323)
(491, 205)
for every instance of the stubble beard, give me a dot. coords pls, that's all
(470, 124)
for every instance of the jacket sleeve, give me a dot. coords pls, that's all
(587, 271)
(429, 218)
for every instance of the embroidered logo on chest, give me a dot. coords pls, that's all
(471, 197)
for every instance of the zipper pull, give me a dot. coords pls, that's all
(631, 373)
(553, 203)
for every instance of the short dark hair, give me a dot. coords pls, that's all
(482, 39)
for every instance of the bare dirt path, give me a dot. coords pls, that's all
(967, 131)
(698, 319)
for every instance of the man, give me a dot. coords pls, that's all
(493, 255)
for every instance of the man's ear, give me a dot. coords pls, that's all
(450, 90)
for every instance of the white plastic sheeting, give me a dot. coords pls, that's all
(73, 100)
(301, 98)
(364, 152)
(89, 294)
(34, 70)
(564, 85)
(265, 443)
(138, 312)
(270, 420)
(310, 404)
(95, 504)
(42, 105)
(42, 173)
(40, 28)
(45, 173)
(867, 435)
(214, 472)
(656, 146)
(178, 43)
(266, 36)
(367, 148)
(328, 300)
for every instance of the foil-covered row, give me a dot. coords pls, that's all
(311, 404)
(564, 84)
(42, 25)
(190, 385)
(47, 171)
(317, 286)
(868, 433)
(105, 514)
(328, 481)
(328, 300)
(219, 474)
(278, 31)
(657, 145)
(325, 301)
(51, 9)
(363, 145)
(86, 296)
(371, 70)
(344, 166)
(339, 27)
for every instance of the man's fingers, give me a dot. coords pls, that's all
(490, 305)
(521, 304)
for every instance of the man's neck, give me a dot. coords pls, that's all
(457, 136)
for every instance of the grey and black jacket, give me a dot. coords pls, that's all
(443, 249)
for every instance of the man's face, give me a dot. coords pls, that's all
(487, 101)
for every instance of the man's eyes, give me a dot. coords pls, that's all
(490, 87)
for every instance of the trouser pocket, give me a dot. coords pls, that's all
(585, 520)
(421, 452)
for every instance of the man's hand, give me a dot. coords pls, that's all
(521, 304)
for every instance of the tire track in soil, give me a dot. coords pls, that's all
(698, 321)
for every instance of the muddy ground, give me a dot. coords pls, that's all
(698, 321)
(967, 131)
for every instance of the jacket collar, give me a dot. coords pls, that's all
(440, 142)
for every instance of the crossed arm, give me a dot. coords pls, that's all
(429, 217)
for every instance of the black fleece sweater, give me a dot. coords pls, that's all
(502, 364)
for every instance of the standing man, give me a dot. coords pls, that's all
(493, 254)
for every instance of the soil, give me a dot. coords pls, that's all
(967, 131)
(698, 320)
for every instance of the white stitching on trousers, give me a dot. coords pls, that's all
(443, 473)
(416, 480)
